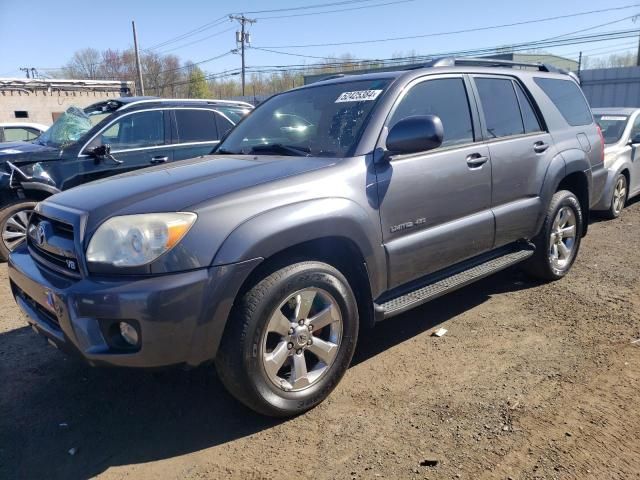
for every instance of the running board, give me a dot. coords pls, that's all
(451, 279)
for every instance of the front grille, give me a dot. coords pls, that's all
(51, 243)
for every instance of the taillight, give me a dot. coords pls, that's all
(601, 140)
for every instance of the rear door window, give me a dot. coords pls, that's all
(224, 124)
(196, 125)
(500, 107)
(529, 117)
(567, 97)
(444, 97)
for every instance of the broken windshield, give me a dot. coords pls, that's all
(71, 126)
(324, 120)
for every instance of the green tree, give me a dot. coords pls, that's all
(198, 87)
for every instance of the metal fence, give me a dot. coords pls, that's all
(612, 87)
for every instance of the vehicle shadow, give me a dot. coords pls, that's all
(50, 403)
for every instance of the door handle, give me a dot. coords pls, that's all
(476, 160)
(540, 147)
(156, 160)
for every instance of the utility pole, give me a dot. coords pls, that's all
(242, 38)
(579, 65)
(135, 46)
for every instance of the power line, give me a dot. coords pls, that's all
(190, 33)
(308, 7)
(334, 11)
(454, 32)
(196, 41)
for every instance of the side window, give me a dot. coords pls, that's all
(138, 130)
(635, 131)
(224, 124)
(196, 126)
(16, 134)
(500, 107)
(529, 117)
(567, 98)
(446, 98)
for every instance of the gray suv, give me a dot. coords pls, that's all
(331, 207)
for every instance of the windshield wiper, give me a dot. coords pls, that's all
(223, 151)
(283, 149)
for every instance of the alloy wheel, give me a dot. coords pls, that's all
(14, 231)
(563, 238)
(619, 195)
(302, 339)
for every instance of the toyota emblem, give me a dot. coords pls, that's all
(40, 235)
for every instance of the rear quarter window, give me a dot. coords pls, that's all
(567, 98)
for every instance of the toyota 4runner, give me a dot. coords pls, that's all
(329, 208)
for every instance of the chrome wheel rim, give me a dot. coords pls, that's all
(563, 238)
(14, 230)
(302, 339)
(619, 195)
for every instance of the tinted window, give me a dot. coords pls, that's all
(235, 114)
(224, 124)
(446, 98)
(500, 106)
(144, 129)
(566, 96)
(529, 117)
(196, 126)
(15, 134)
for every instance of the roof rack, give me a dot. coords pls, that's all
(491, 62)
(237, 103)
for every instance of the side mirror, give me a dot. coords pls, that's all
(101, 151)
(635, 140)
(415, 134)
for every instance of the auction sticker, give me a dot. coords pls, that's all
(358, 96)
(612, 118)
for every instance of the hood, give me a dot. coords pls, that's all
(179, 186)
(23, 152)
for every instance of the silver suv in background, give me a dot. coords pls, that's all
(621, 131)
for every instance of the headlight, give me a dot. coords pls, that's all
(134, 240)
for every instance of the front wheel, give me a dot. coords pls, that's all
(289, 339)
(558, 242)
(13, 225)
(618, 197)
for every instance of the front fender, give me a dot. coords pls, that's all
(275, 230)
(613, 171)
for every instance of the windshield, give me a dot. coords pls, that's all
(325, 120)
(612, 126)
(71, 126)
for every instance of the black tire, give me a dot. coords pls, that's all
(239, 361)
(615, 210)
(541, 265)
(5, 215)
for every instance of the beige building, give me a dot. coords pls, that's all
(43, 100)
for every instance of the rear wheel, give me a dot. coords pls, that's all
(13, 225)
(558, 242)
(289, 339)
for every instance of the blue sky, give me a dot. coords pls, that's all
(44, 34)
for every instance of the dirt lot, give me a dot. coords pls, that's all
(531, 381)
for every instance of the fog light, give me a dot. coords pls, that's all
(129, 333)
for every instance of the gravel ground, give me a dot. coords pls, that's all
(531, 381)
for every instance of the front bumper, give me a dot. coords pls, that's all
(180, 317)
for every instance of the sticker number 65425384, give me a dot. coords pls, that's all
(358, 96)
